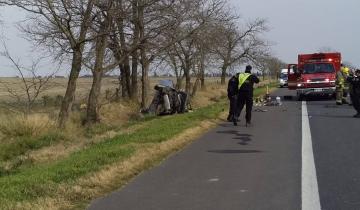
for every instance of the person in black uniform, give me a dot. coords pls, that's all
(354, 82)
(232, 92)
(245, 94)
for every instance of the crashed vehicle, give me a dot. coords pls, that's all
(167, 100)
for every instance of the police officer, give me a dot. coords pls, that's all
(354, 81)
(232, 92)
(245, 94)
(342, 86)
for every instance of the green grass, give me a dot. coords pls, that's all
(36, 181)
(98, 129)
(22, 144)
(42, 180)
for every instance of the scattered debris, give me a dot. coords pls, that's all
(267, 101)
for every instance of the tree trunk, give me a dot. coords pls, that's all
(124, 80)
(145, 84)
(202, 83)
(202, 72)
(223, 74)
(92, 115)
(134, 54)
(122, 83)
(187, 74)
(78, 49)
(145, 62)
(134, 77)
(195, 88)
(124, 66)
(127, 76)
(187, 81)
(121, 54)
(71, 88)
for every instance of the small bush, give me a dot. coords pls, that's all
(30, 125)
(48, 101)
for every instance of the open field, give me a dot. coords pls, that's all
(57, 86)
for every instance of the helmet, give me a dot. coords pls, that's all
(345, 70)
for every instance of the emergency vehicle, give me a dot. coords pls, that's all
(314, 74)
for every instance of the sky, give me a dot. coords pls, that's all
(306, 26)
(296, 26)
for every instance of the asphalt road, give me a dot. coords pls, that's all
(289, 159)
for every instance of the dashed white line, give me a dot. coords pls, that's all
(309, 186)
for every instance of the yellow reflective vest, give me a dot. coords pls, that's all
(341, 78)
(242, 78)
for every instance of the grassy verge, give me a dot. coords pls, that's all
(44, 180)
(20, 145)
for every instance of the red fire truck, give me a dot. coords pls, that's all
(314, 74)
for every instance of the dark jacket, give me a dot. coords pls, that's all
(233, 84)
(248, 86)
(355, 84)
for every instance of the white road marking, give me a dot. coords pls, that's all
(309, 186)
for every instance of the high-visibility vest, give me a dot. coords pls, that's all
(341, 79)
(242, 78)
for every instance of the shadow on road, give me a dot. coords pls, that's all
(235, 151)
(227, 125)
(234, 132)
(245, 138)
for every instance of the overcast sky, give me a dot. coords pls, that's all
(297, 26)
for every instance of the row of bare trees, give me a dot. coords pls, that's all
(191, 36)
(270, 65)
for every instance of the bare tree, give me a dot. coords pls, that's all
(147, 28)
(60, 26)
(119, 46)
(269, 65)
(237, 43)
(186, 50)
(30, 86)
(104, 16)
(127, 34)
(159, 18)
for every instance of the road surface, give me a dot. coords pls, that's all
(301, 155)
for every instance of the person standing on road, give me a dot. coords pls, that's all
(354, 82)
(342, 86)
(232, 92)
(245, 94)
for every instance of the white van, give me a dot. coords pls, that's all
(283, 78)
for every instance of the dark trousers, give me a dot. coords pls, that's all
(355, 98)
(245, 98)
(232, 110)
